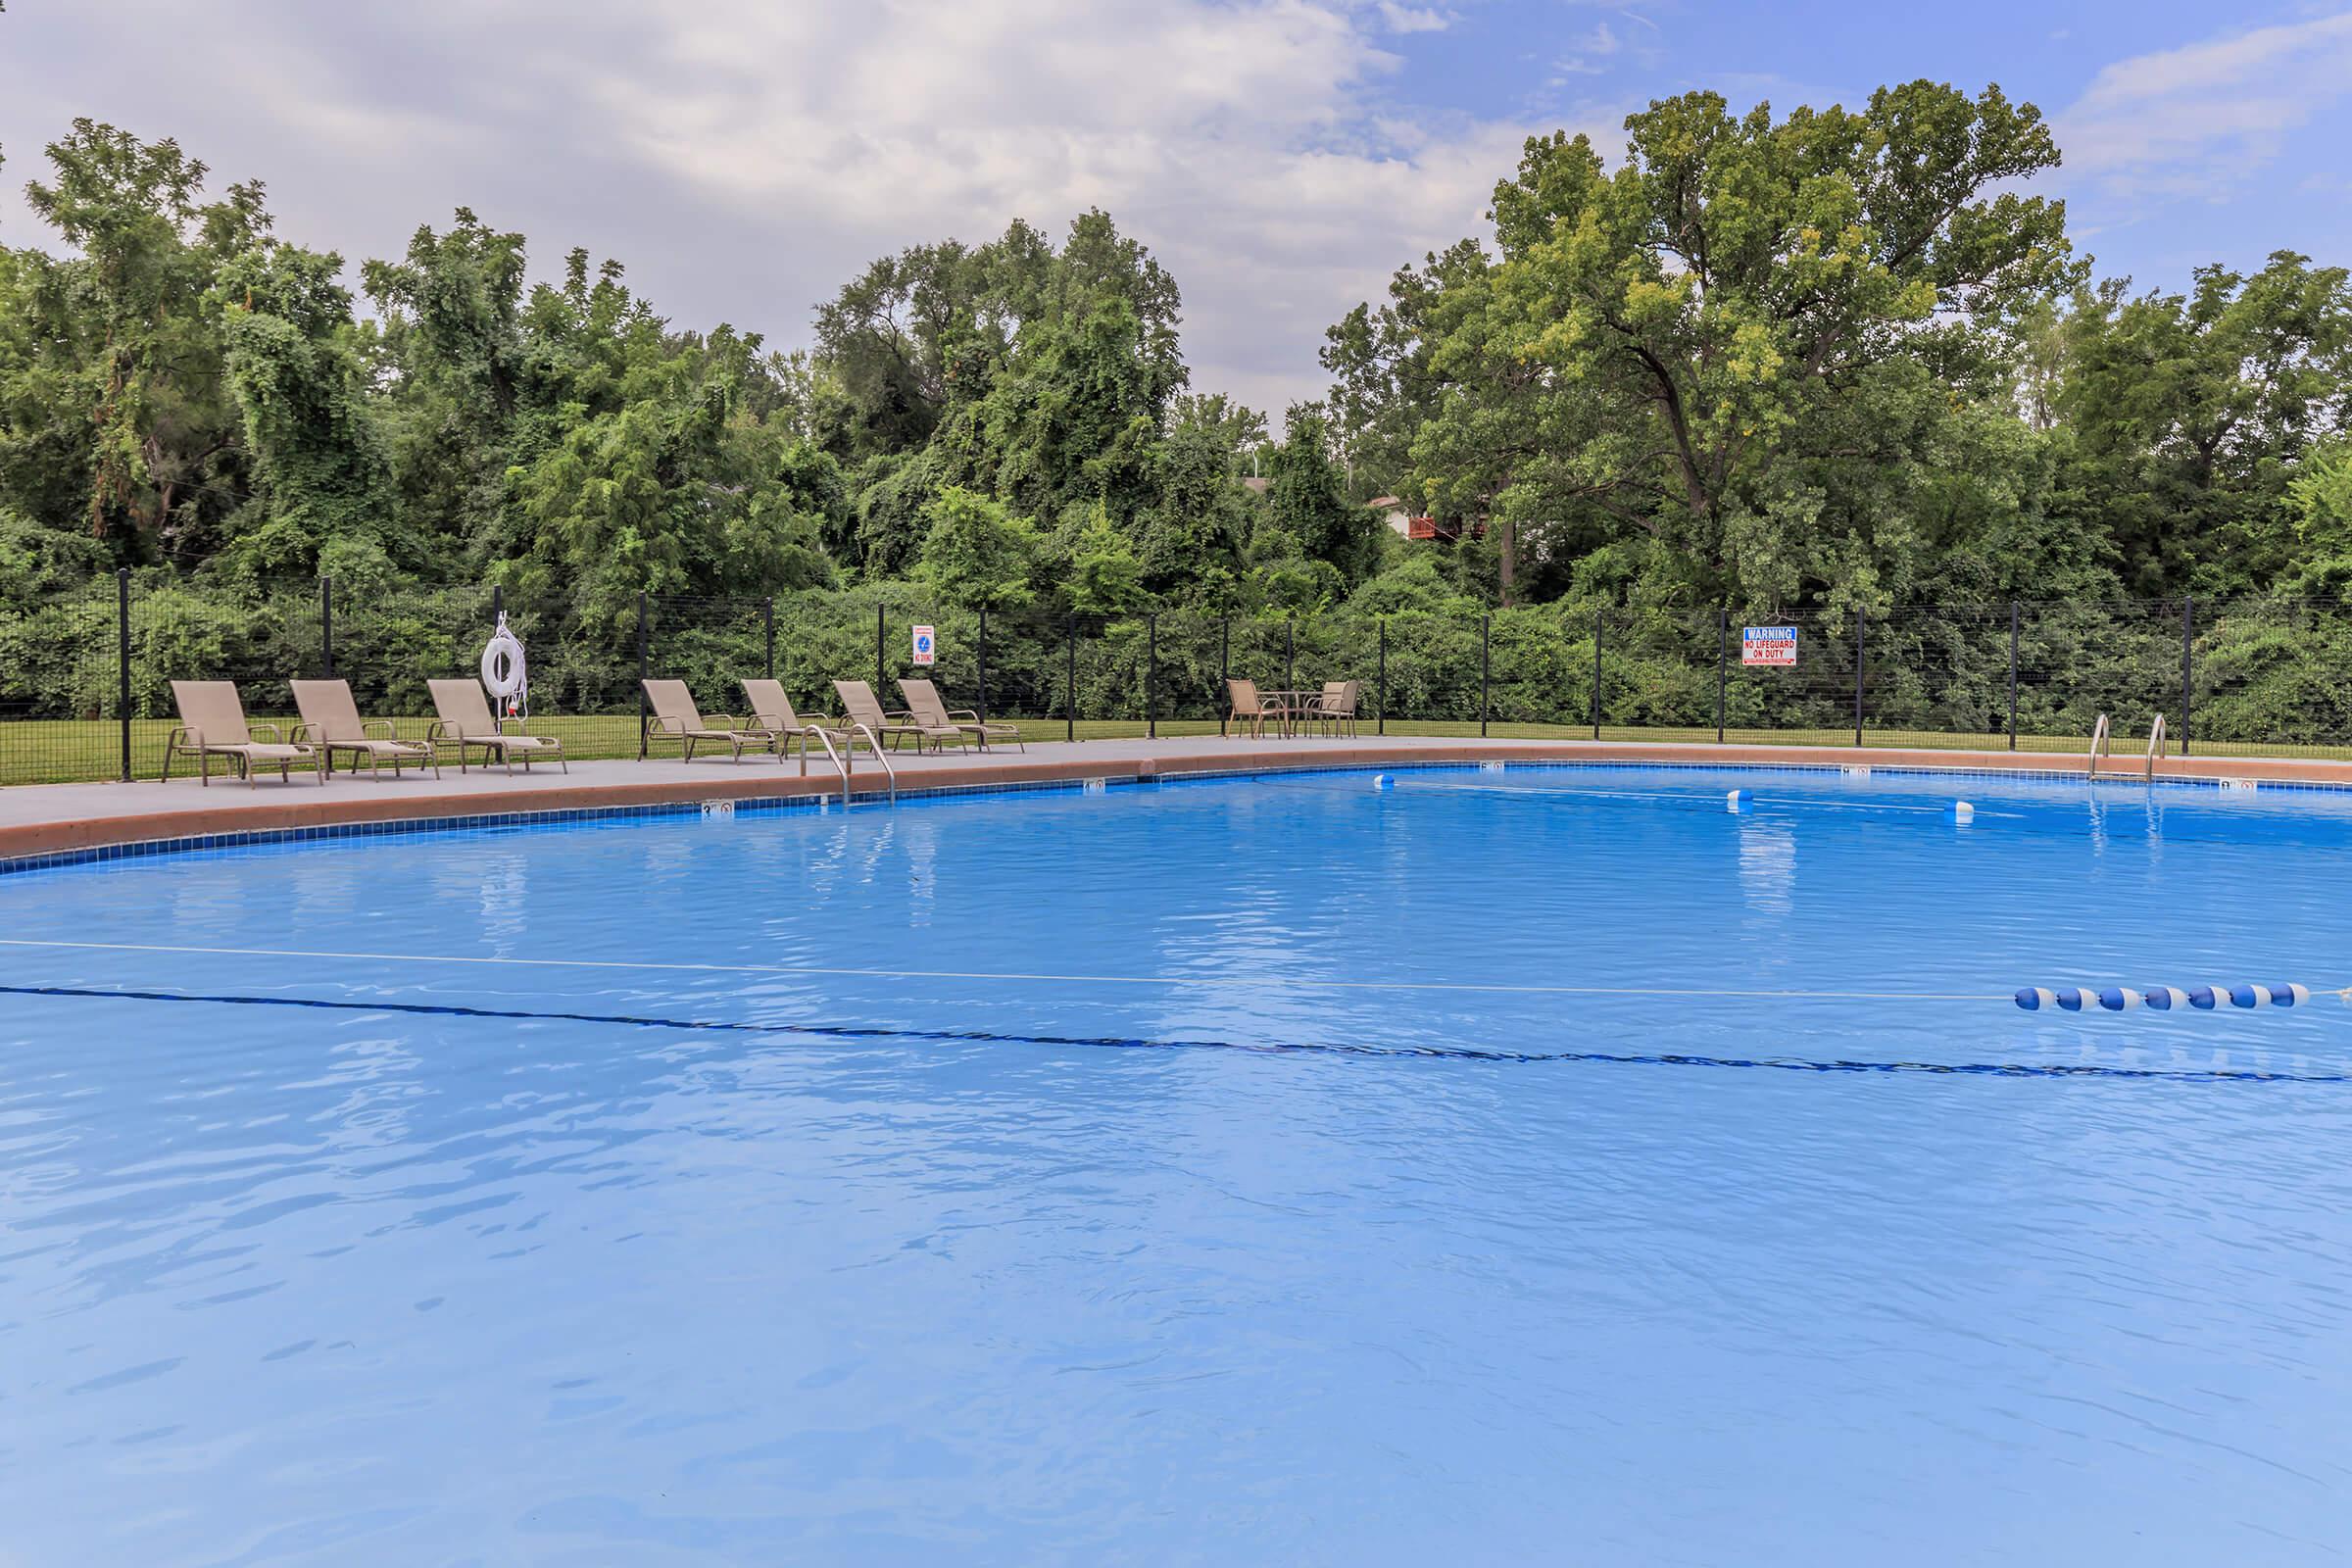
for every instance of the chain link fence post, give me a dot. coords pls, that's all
(1071, 711)
(1485, 667)
(1596, 623)
(1722, 654)
(1381, 686)
(123, 662)
(2013, 618)
(2188, 633)
(1224, 671)
(643, 670)
(1861, 618)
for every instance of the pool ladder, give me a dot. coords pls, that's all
(2101, 746)
(844, 768)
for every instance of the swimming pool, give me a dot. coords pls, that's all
(1547, 1164)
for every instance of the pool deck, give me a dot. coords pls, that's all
(49, 818)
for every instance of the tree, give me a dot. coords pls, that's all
(1105, 577)
(1218, 421)
(937, 327)
(2320, 493)
(1190, 526)
(2189, 414)
(1307, 506)
(319, 470)
(124, 341)
(1696, 327)
(977, 552)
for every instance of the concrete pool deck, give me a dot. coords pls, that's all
(38, 820)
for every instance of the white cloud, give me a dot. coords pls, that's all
(2196, 117)
(1413, 19)
(744, 158)
(1591, 51)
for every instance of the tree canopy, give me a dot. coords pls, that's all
(1830, 359)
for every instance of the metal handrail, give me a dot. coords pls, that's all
(891, 772)
(839, 766)
(2156, 747)
(2098, 744)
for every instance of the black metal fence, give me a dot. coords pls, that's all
(85, 679)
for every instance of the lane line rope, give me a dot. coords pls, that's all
(1970, 1069)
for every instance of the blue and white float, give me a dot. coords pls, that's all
(2161, 999)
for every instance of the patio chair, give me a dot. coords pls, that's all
(859, 701)
(674, 718)
(212, 723)
(1334, 707)
(464, 721)
(330, 721)
(772, 715)
(922, 702)
(1252, 713)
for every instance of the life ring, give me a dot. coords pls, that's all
(504, 672)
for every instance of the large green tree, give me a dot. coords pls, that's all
(1307, 502)
(2190, 416)
(1697, 343)
(112, 385)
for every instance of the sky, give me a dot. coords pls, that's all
(743, 158)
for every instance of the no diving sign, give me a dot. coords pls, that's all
(1768, 645)
(924, 646)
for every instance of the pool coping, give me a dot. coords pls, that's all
(75, 841)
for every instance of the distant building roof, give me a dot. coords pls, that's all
(1386, 502)
(1253, 483)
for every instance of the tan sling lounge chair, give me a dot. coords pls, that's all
(923, 703)
(1252, 713)
(772, 715)
(212, 723)
(330, 721)
(674, 718)
(464, 722)
(857, 700)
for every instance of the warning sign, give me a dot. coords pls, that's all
(1768, 645)
(923, 646)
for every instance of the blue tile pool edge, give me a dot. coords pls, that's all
(492, 821)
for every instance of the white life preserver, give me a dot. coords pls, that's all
(504, 672)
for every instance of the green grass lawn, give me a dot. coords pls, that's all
(73, 751)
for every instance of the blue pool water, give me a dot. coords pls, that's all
(1287, 1170)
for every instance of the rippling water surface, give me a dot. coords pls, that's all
(1043, 1249)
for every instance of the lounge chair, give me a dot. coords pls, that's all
(922, 701)
(1334, 707)
(674, 718)
(330, 721)
(857, 700)
(464, 722)
(1251, 713)
(772, 715)
(212, 723)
